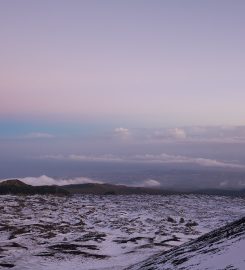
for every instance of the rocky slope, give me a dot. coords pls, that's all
(47, 232)
(220, 249)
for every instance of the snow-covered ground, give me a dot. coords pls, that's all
(221, 249)
(103, 232)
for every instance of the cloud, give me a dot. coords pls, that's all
(149, 158)
(191, 134)
(223, 183)
(75, 157)
(122, 132)
(165, 135)
(39, 135)
(177, 133)
(165, 158)
(151, 183)
(215, 163)
(46, 180)
(107, 157)
(57, 157)
(232, 183)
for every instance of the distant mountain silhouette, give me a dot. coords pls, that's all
(15, 186)
(110, 189)
(13, 182)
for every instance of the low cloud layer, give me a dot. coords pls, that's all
(216, 134)
(177, 133)
(149, 158)
(75, 157)
(46, 180)
(151, 183)
(39, 135)
(122, 133)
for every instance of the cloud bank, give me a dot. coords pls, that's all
(39, 135)
(190, 134)
(177, 133)
(46, 180)
(122, 133)
(149, 158)
(151, 183)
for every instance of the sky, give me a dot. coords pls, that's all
(96, 80)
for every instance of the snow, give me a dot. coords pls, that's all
(231, 254)
(104, 232)
(222, 248)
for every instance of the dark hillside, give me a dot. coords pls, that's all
(15, 186)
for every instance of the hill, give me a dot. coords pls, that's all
(15, 186)
(109, 189)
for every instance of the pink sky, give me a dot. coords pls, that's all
(160, 62)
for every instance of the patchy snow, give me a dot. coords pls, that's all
(220, 249)
(104, 232)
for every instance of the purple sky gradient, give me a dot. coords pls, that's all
(123, 80)
(158, 62)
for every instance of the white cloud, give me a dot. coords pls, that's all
(223, 183)
(192, 134)
(75, 157)
(122, 132)
(165, 135)
(165, 158)
(46, 180)
(58, 157)
(39, 135)
(177, 133)
(215, 163)
(149, 158)
(107, 157)
(151, 183)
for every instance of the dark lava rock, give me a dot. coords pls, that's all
(170, 219)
